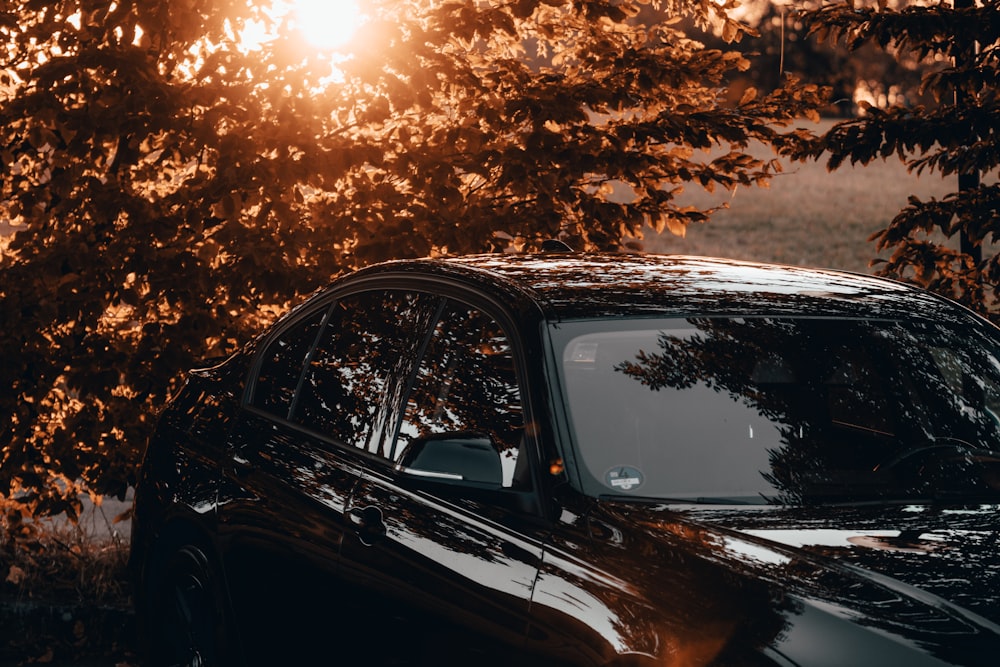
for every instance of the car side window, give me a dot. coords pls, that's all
(282, 365)
(361, 365)
(466, 383)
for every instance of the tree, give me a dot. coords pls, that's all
(786, 46)
(173, 185)
(956, 137)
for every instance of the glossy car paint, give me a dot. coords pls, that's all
(318, 551)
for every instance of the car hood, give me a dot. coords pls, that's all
(952, 553)
(914, 584)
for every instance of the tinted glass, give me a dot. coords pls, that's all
(784, 410)
(361, 366)
(282, 365)
(466, 383)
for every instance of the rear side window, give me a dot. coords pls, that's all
(361, 366)
(282, 365)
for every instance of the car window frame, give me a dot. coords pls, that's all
(443, 290)
(323, 301)
(466, 294)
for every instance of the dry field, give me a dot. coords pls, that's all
(807, 217)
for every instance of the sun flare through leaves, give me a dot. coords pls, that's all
(322, 24)
(326, 24)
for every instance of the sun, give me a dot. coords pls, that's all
(326, 24)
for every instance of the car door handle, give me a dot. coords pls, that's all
(368, 524)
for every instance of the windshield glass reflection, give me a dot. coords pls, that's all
(783, 410)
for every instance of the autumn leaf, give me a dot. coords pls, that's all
(15, 575)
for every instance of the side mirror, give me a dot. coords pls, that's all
(460, 458)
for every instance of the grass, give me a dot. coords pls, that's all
(807, 217)
(64, 591)
(61, 563)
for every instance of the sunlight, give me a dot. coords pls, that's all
(327, 24)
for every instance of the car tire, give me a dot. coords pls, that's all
(185, 618)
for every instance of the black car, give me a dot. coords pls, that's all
(583, 459)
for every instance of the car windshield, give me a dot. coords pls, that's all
(783, 410)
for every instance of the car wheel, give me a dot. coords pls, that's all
(185, 616)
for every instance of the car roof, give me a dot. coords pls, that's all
(598, 285)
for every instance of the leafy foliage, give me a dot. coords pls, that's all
(173, 186)
(955, 137)
(784, 46)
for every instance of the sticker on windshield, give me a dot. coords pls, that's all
(625, 478)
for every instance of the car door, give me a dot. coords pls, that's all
(445, 558)
(313, 414)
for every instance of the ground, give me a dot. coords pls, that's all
(807, 217)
